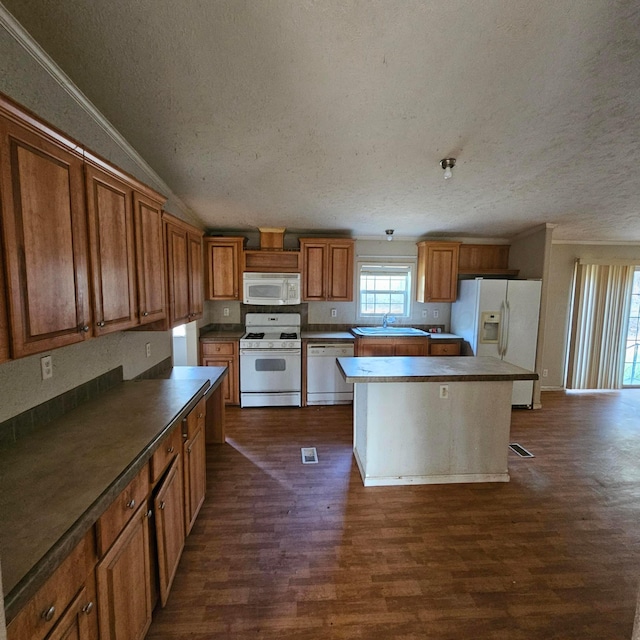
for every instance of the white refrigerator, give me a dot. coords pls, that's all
(500, 318)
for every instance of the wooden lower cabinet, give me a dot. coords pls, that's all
(416, 346)
(123, 577)
(65, 606)
(224, 353)
(195, 477)
(168, 509)
(444, 347)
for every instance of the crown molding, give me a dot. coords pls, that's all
(26, 41)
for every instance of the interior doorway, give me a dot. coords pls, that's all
(185, 345)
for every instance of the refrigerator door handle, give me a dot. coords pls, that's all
(501, 331)
(506, 329)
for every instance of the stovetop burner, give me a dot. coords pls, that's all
(288, 336)
(255, 336)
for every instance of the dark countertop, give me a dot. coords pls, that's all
(56, 482)
(430, 369)
(222, 334)
(327, 336)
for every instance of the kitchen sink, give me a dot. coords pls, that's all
(388, 331)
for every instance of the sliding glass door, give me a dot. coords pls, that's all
(632, 350)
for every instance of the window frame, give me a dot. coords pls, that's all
(409, 263)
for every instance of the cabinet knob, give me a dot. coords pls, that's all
(131, 504)
(145, 313)
(101, 323)
(170, 449)
(148, 514)
(189, 450)
(162, 505)
(85, 328)
(88, 608)
(48, 614)
(201, 415)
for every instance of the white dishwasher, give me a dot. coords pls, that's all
(325, 384)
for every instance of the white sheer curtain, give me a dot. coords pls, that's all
(602, 294)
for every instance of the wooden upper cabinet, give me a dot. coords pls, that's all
(327, 269)
(437, 271)
(111, 250)
(184, 270)
(484, 259)
(224, 267)
(45, 239)
(4, 324)
(150, 259)
(196, 274)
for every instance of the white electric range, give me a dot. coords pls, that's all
(271, 361)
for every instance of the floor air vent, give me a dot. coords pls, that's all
(520, 450)
(309, 455)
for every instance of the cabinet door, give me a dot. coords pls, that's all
(4, 324)
(196, 284)
(43, 224)
(224, 268)
(314, 261)
(112, 251)
(340, 271)
(124, 583)
(195, 476)
(169, 518)
(230, 384)
(412, 347)
(80, 620)
(373, 347)
(177, 274)
(437, 271)
(150, 259)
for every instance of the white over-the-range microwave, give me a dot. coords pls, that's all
(270, 288)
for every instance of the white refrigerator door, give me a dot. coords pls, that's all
(523, 309)
(492, 298)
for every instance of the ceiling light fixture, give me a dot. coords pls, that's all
(389, 233)
(447, 164)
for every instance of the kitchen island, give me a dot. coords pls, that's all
(431, 420)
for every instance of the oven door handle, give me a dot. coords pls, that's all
(269, 352)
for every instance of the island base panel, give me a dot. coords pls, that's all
(405, 433)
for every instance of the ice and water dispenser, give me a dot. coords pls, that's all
(490, 326)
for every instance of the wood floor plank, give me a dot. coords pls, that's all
(286, 550)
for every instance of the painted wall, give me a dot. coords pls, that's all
(25, 80)
(560, 282)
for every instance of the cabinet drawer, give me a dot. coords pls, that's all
(39, 616)
(195, 420)
(165, 453)
(444, 348)
(218, 348)
(113, 520)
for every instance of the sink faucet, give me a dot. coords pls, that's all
(387, 320)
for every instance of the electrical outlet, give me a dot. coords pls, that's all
(545, 373)
(444, 391)
(225, 312)
(46, 366)
(424, 313)
(148, 348)
(334, 313)
(436, 313)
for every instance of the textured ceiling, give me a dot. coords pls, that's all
(334, 114)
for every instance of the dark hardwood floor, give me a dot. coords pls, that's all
(285, 550)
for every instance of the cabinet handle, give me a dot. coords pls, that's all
(48, 614)
(101, 323)
(145, 313)
(189, 450)
(170, 450)
(201, 415)
(148, 514)
(88, 608)
(162, 505)
(131, 504)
